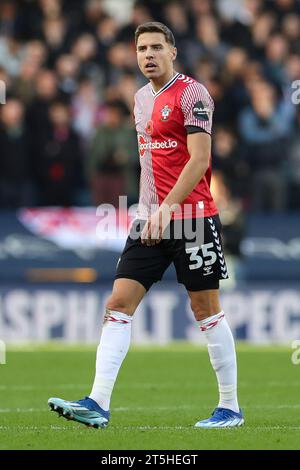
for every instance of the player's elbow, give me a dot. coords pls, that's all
(206, 164)
(200, 164)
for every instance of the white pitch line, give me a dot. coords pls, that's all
(247, 428)
(154, 408)
(191, 427)
(202, 406)
(22, 410)
(139, 385)
(119, 409)
(35, 428)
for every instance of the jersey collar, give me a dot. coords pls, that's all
(165, 87)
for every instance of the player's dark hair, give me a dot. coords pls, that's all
(155, 27)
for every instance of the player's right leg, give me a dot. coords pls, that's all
(114, 344)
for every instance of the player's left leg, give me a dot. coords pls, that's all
(139, 267)
(212, 322)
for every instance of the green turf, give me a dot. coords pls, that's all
(160, 394)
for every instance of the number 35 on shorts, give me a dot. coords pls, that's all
(200, 255)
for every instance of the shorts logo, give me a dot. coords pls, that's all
(149, 127)
(165, 113)
(207, 270)
(154, 145)
(201, 111)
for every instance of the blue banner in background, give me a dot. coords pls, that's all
(271, 248)
(256, 313)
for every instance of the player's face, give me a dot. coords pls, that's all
(155, 56)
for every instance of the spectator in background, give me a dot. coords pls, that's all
(112, 165)
(277, 49)
(291, 30)
(264, 128)
(93, 13)
(84, 49)
(228, 161)
(87, 111)
(121, 58)
(67, 69)
(50, 8)
(140, 14)
(124, 89)
(261, 31)
(36, 51)
(176, 15)
(24, 84)
(38, 111)
(207, 43)
(106, 33)
(224, 112)
(291, 72)
(236, 25)
(198, 9)
(15, 175)
(206, 69)
(57, 166)
(11, 54)
(233, 79)
(8, 16)
(176, 18)
(55, 37)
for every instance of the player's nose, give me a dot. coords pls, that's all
(149, 54)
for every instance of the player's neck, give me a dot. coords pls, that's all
(159, 83)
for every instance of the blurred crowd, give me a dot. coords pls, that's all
(67, 134)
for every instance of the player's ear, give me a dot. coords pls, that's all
(174, 53)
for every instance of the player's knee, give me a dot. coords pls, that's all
(199, 315)
(119, 304)
(199, 310)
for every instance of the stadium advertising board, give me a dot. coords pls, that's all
(256, 314)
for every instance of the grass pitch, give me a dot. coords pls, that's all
(160, 394)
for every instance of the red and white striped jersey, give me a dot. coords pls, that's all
(163, 120)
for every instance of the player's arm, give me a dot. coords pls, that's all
(199, 148)
(197, 108)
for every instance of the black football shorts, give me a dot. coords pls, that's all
(194, 247)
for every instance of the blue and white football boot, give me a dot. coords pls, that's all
(222, 418)
(85, 411)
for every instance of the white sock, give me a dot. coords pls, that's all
(113, 347)
(222, 356)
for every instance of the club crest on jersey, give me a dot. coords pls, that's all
(165, 113)
(149, 127)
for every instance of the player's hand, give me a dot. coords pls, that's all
(155, 226)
